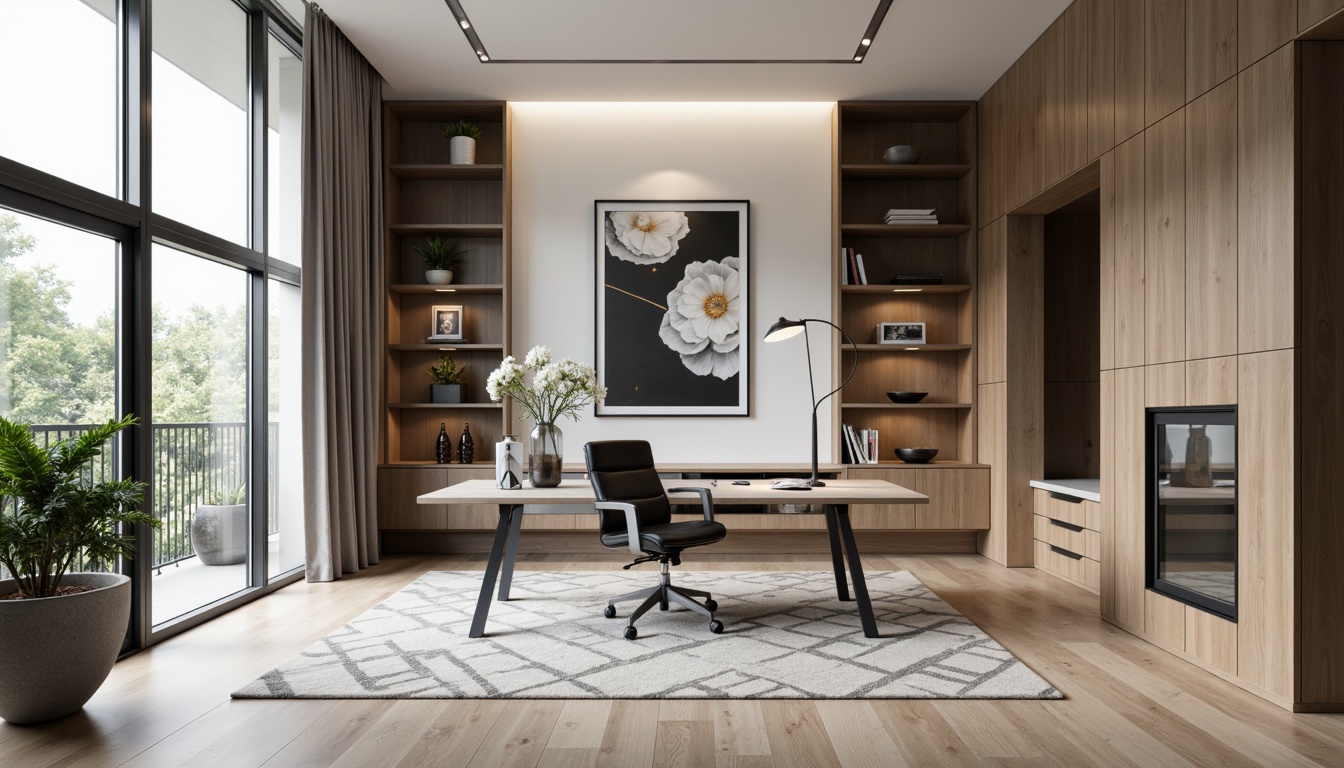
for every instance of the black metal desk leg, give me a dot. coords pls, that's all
(837, 554)
(856, 572)
(510, 554)
(506, 513)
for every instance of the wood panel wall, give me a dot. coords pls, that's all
(1210, 125)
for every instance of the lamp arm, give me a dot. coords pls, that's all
(854, 366)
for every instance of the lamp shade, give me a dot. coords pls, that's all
(784, 329)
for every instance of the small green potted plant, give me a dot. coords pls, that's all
(60, 632)
(219, 528)
(447, 378)
(442, 256)
(462, 138)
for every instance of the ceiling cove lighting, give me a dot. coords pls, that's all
(869, 34)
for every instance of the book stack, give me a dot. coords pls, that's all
(906, 216)
(852, 266)
(859, 446)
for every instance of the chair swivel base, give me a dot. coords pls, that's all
(661, 596)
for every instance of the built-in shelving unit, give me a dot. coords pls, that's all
(428, 197)
(944, 179)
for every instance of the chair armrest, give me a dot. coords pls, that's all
(631, 521)
(706, 500)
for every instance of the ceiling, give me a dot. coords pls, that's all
(925, 49)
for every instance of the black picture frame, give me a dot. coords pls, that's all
(673, 307)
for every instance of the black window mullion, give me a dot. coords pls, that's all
(258, 311)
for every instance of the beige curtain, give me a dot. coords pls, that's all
(342, 290)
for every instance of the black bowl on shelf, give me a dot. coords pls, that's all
(916, 455)
(906, 398)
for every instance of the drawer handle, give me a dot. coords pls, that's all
(1065, 497)
(1065, 553)
(1066, 526)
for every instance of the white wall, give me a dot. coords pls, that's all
(777, 155)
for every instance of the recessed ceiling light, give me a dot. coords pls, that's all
(484, 57)
(864, 41)
(467, 25)
(858, 58)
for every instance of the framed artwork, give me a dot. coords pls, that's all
(672, 307)
(447, 323)
(900, 333)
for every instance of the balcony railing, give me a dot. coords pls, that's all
(192, 463)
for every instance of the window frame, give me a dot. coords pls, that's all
(129, 219)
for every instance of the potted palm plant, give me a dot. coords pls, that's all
(462, 138)
(60, 632)
(219, 528)
(442, 256)
(447, 378)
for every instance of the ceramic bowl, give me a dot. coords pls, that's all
(906, 398)
(916, 455)
(901, 154)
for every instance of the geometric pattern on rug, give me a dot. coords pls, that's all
(786, 636)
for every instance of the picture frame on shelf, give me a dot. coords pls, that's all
(673, 305)
(901, 333)
(446, 322)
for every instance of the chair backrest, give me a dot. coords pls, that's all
(622, 470)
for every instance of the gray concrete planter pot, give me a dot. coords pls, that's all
(56, 651)
(219, 534)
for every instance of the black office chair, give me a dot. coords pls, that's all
(635, 512)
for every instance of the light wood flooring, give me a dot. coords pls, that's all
(1129, 703)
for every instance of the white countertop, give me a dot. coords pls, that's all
(1089, 489)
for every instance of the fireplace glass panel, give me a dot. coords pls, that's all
(1192, 522)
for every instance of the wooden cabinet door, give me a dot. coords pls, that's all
(958, 499)
(884, 516)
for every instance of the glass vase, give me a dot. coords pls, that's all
(545, 452)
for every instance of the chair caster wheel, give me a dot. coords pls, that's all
(715, 626)
(711, 605)
(631, 633)
(610, 612)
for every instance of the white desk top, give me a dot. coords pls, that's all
(758, 492)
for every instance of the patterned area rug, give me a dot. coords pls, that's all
(786, 636)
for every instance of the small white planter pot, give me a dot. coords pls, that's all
(462, 150)
(438, 276)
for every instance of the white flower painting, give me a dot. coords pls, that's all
(701, 323)
(645, 237)
(672, 307)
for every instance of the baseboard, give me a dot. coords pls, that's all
(1180, 653)
(738, 542)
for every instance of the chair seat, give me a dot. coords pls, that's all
(660, 539)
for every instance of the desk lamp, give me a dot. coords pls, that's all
(785, 329)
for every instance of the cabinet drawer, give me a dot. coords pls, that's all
(1068, 536)
(1083, 571)
(1083, 513)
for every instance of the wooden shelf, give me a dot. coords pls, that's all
(904, 230)
(488, 171)
(494, 288)
(446, 405)
(448, 230)
(935, 464)
(435, 465)
(908, 347)
(915, 406)
(913, 172)
(907, 290)
(447, 346)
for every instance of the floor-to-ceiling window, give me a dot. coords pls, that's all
(149, 264)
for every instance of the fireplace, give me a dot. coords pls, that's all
(1192, 506)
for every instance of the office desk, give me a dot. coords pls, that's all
(836, 495)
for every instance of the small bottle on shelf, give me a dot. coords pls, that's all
(466, 448)
(443, 449)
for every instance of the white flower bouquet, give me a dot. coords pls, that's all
(559, 388)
